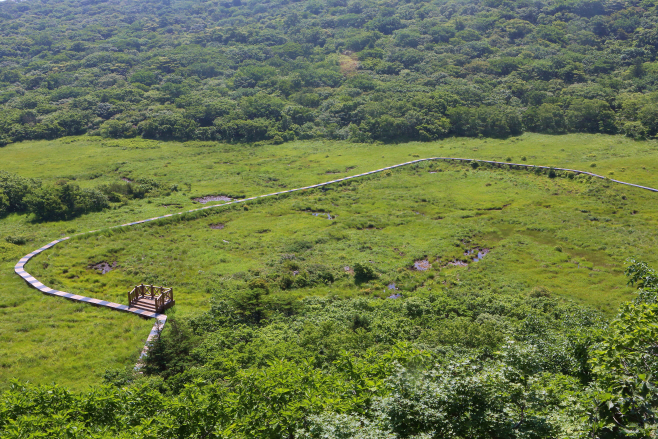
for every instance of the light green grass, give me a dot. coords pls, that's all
(524, 218)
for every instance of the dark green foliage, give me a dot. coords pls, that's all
(639, 273)
(239, 324)
(170, 356)
(466, 362)
(364, 272)
(117, 192)
(239, 71)
(13, 190)
(249, 305)
(64, 201)
(4, 203)
(591, 116)
(18, 240)
(625, 364)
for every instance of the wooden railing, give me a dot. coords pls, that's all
(166, 296)
(161, 296)
(133, 296)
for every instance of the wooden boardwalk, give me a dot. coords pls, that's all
(161, 319)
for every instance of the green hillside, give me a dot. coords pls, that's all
(361, 70)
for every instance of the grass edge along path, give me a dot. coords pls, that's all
(161, 319)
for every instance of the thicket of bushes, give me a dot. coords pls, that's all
(65, 200)
(467, 362)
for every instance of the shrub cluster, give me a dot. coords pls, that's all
(118, 192)
(65, 200)
(463, 363)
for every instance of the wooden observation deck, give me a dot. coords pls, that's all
(151, 298)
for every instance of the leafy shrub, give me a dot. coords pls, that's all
(64, 201)
(345, 368)
(364, 272)
(118, 129)
(13, 190)
(118, 191)
(634, 130)
(18, 240)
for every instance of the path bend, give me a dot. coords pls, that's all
(161, 319)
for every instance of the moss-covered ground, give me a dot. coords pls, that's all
(568, 237)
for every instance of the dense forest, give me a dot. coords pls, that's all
(362, 70)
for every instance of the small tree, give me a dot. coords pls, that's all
(363, 272)
(46, 205)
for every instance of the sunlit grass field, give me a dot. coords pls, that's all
(568, 236)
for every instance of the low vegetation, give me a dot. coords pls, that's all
(470, 362)
(525, 238)
(358, 310)
(64, 199)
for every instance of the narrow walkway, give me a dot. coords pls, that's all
(161, 319)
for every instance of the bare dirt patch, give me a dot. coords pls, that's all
(104, 267)
(127, 180)
(422, 265)
(321, 214)
(209, 198)
(217, 226)
(477, 254)
(472, 255)
(348, 65)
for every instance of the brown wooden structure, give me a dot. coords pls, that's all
(151, 298)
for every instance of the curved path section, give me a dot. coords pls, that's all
(160, 319)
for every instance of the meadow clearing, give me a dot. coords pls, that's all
(568, 237)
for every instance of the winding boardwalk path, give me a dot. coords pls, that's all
(161, 319)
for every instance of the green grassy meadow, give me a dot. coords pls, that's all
(568, 236)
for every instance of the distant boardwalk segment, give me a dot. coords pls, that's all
(161, 319)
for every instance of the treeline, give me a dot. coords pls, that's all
(65, 200)
(61, 201)
(467, 362)
(362, 70)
